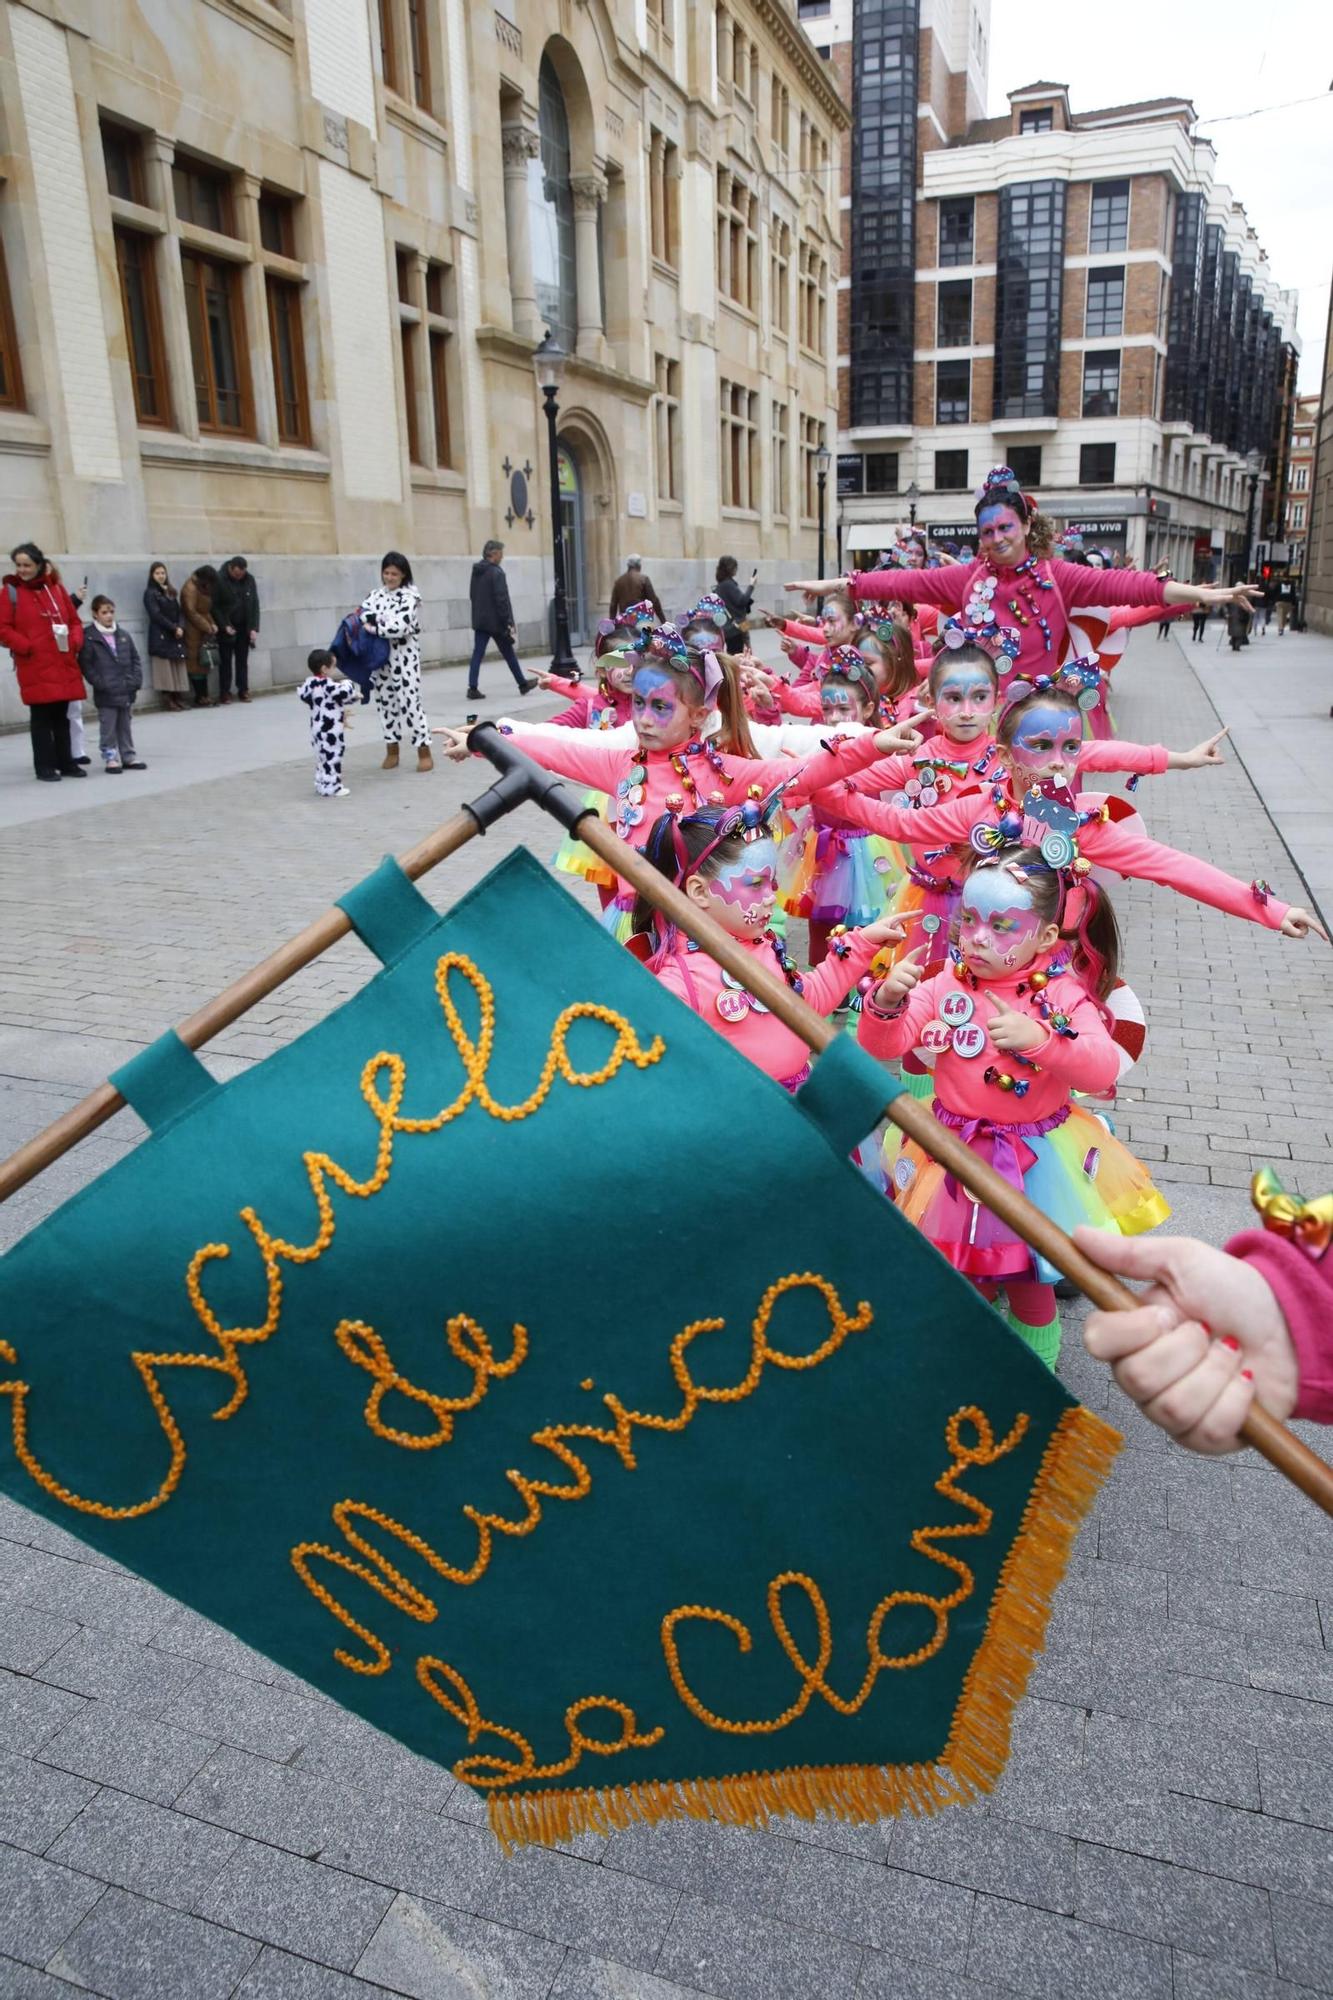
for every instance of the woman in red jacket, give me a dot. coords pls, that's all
(40, 626)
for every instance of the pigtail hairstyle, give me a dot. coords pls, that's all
(673, 846)
(734, 736)
(898, 655)
(1095, 938)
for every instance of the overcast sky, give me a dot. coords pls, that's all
(1227, 56)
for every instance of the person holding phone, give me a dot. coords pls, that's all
(737, 601)
(40, 626)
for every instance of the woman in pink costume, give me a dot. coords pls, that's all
(1041, 740)
(1016, 1025)
(831, 872)
(725, 860)
(1218, 1328)
(675, 764)
(1013, 585)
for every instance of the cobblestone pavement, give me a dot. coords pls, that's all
(180, 1818)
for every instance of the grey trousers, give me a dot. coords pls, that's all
(117, 738)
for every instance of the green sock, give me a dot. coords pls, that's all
(1043, 1340)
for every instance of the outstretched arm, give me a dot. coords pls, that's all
(1117, 845)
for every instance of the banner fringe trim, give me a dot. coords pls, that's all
(1075, 1464)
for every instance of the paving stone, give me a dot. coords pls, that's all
(40, 1905)
(190, 1637)
(885, 1976)
(1291, 1788)
(1205, 1979)
(1303, 1936)
(1041, 1955)
(278, 1975)
(28, 1637)
(352, 1752)
(313, 1911)
(30, 1712)
(24, 1982)
(712, 1949)
(144, 1848)
(1027, 1864)
(727, 1864)
(1267, 1614)
(37, 1803)
(1203, 1914)
(619, 1916)
(407, 1847)
(433, 1953)
(108, 1599)
(868, 1903)
(109, 1668)
(296, 1810)
(131, 1949)
(584, 1978)
(135, 1753)
(249, 1714)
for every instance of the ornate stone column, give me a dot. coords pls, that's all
(519, 144)
(589, 192)
(255, 293)
(161, 154)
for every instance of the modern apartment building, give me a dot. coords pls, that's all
(272, 275)
(1070, 292)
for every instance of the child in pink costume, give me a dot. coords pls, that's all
(831, 872)
(675, 765)
(725, 860)
(1015, 1029)
(1013, 585)
(1218, 1328)
(1041, 737)
(600, 704)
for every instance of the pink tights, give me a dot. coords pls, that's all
(1032, 1303)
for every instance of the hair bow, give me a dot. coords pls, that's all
(1308, 1224)
(992, 639)
(1079, 679)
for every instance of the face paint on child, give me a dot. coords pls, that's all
(743, 891)
(618, 672)
(661, 719)
(839, 702)
(1001, 535)
(837, 627)
(1046, 741)
(965, 702)
(998, 927)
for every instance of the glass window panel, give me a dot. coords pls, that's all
(143, 326)
(551, 213)
(950, 471)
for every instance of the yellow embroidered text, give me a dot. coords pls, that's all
(467, 1342)
(384, 1101)
(487, 1770)
(984, 1450)
(388, 1582)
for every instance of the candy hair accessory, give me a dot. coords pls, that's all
(709, 611)
(1081, 680)
(845, 663)
(635, 619)
(751, 820)
(664, 645)
(1001, 484)
(992, 639)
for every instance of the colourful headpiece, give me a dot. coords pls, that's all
(626, 627)
(1069, 543)
(1079, 680)
(709, 611)
(1001, 484)
(993, 639)
(752, 820)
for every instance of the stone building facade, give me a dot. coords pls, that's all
(1070, 292)
(273, 274)
(1295, 524)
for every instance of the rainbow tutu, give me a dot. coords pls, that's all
(837, 875)
(573, 858)
(1070, 1165)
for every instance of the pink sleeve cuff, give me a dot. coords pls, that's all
(1303, 1288)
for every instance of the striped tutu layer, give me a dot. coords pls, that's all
(1071, 1166)
(573, 858)
(837, 875)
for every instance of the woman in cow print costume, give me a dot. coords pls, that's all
(326, 699)
(394, 611)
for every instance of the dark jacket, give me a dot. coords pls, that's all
(634, 586)
(236, 601)
(164, 615)
(491, 610)
(738, 602)
(115, 677)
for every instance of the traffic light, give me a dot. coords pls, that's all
(1266, 572)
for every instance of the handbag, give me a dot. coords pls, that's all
(210, 657)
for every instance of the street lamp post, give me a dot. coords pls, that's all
(822, 459)
(913, 494)
(549, 361)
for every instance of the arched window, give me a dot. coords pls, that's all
(551, 209)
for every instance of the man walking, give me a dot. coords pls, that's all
(236, 612)
(493, 618)
(633, 587)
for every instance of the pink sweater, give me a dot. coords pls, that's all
(1086, 1061)
(697, 979)
(951, 588)
(890, 774)
(1120, 845)
(1303, 1288)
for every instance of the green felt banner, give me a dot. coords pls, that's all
(515, 1362)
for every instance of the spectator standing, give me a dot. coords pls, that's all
(113, 670)
(493, 618)
(201, 631)
(166, 639)
(40, 626)
(633, 587)
(1286, 604)
(394, 611)
(1198, 622)
(737, 601)
(236, 609)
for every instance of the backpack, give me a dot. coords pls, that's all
(360, 653)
